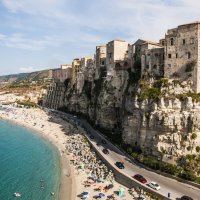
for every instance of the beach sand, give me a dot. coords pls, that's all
(54, 129)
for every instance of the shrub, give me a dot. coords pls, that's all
(190, 157)
(189, 148)
(149, 93)
(129, 150)
(176, 82)
(163, 82)
(187, 175)
(198, 149)
(193, 136)
(27, 103)
(195, 96)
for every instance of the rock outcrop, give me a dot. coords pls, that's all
(159, 117)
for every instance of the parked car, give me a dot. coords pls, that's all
(120, 165)
(142, 197)
(140, 178)
(103, 141)
(154, 185)
(98, 143)
(91, 136)
(186, 198)
(105, 151)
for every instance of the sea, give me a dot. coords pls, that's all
(29, 164)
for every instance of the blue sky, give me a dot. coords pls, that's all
(42, 34)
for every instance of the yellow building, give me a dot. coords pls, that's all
(84, 62)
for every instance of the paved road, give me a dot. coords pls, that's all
(175, 188)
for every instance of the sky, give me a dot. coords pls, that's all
(43, 34)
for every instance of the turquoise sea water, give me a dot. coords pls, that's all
(27, 162)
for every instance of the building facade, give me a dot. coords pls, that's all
(89, 72)
(152, 60)
(100, 60)
(76, 66)
(182, 58)
(116, 50)
(54, 98)
(62, 73)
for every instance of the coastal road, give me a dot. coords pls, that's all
(168, 185)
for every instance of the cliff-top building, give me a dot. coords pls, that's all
(116, 50)
(100, 60)
(182, 57)
(84, 62)
(152, 59)
(62, 73)
(76, 65)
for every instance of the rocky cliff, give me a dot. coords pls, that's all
(160, 117)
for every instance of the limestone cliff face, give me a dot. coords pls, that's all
(157, 119)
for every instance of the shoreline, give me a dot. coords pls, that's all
(81, 169)
(67, 183)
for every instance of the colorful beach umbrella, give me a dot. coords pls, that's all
(101, 195)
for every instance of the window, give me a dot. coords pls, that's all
(155, 67)
(183, 41)
(103, 63)
(169, 65)
(172, 41)
(110, 55)
(156, 55)
(176, 55)
(163, 43)
(192, 41)
(169, 55)
(189, 55)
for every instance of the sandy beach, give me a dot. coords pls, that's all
(75, 180)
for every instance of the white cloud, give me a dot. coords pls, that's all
(72, 28)
(19, 41)
(148, 19)
(53, 9)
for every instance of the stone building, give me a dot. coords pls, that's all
(84, 62)
(55, 95)
(152, 60)
(182, 59)
(136, 50)
(76, 66)
(62, 73)
(89, 70)
(100, 60)
(66, 66)
(55, 91)
(116, 50)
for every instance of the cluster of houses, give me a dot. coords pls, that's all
(175, 56)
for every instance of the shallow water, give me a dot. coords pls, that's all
(27, 162)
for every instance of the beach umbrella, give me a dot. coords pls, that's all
(110, 186)
(121, 189)
(101, 195)
(101, 179)
(82, 165)
(85, 195)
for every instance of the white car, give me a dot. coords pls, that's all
(142, 197)
(154, 185)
